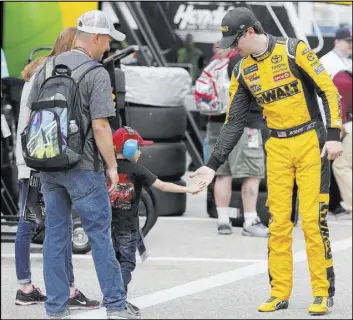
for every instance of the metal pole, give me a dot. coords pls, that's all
(131, 30)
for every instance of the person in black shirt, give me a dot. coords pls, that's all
(126, 197)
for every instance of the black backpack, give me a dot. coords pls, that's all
(55, 135)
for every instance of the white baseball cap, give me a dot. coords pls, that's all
(96, 21)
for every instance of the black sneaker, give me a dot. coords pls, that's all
(224, 228)
(81, 302)
(26, 299)
(339, 210)
(134, 308)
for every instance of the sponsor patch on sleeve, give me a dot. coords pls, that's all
(311, 56)
(305, 51)
(319, 69)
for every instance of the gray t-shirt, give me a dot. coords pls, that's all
(96, 94)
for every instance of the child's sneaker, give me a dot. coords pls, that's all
(64, 315)
(273, 304)
(320, 306)
(26, 299)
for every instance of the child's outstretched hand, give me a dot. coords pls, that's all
(196, 188)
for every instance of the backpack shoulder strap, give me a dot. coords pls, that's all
(49, 67)
(79, 72)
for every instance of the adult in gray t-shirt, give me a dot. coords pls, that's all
(83, 186)
(96, 96)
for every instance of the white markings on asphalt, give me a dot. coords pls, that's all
(196, 219)
(162, 259)
(337, 222)
(207, 283)
(185, 218)
(189, 259)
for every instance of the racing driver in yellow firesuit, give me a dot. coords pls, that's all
(285, 76)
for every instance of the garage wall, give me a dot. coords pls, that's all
(28, 25)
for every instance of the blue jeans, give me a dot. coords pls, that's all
(87, 191)
(125, 245)
(23, 241)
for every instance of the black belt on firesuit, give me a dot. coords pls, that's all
(292, 132)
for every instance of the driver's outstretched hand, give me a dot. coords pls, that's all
(203, 176)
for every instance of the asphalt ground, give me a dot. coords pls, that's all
(194, 273)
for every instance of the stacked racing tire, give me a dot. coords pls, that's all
(155, 108)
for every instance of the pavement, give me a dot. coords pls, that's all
(194, 273)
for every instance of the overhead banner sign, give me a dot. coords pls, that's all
(203, 19)
(202, 22)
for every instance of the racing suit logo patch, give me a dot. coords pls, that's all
(253, 78)
(278, 93)
(276, 59)
(323, 207)
(251, 69)
(282, 42)
(281, 76)
(279, 67)
(255, 88)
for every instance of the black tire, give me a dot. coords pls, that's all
(146, 208)
(39, 235)
(147, 213)
(9, 191)
(211, 204)
(157, 123)
(236, 202)
(165, 160)
(262, 210)
(168, 203)
(236, 184)
(80, 241)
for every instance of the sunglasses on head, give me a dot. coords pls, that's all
(235, 43)
(241, 33)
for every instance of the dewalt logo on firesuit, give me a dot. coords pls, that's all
(278, 93)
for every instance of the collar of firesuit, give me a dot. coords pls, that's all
(267, 53)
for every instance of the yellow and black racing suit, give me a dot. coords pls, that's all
(284, 81)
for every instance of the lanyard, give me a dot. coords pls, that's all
(82, 50)
(344, 60)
